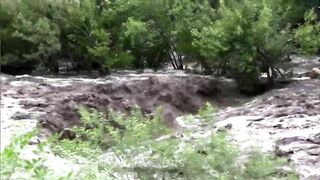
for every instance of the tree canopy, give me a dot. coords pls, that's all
(241, 39)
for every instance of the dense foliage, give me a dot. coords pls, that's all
(241, 39)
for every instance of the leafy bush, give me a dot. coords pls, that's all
(244, 42)
(144, 148)
(28, 37)
(42, 35)
(308, 34)
(137, 147)
(14, 166)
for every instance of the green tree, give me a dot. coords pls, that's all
(241, 39)
(244, 41)
(28, 37)
(308, 35)
(42, 35)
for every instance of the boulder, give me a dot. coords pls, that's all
(314, 73)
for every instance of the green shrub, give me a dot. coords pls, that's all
(144, 148)
(137, 147)
(308, 35)
(14, 166)
(42, 36)
(244, 41)
(28, 37)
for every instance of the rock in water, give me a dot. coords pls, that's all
(314, 73)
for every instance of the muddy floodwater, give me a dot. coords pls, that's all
(285, 121)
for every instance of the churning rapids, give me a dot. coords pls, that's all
(284, 121)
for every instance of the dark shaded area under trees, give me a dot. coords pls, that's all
(240, 39)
